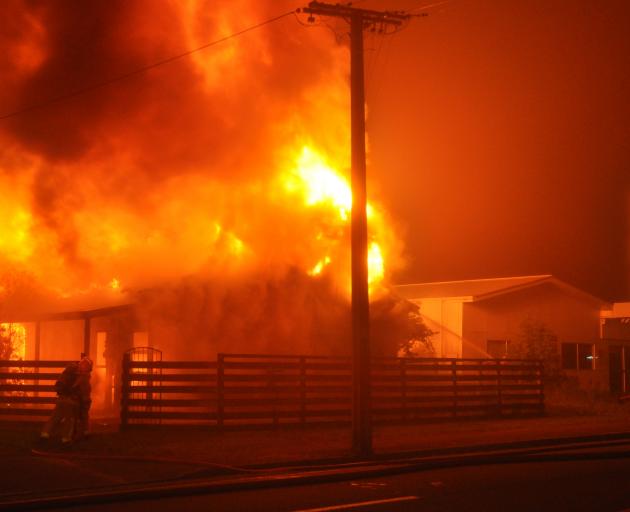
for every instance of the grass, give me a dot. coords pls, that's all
(570, 412)
(569, 400)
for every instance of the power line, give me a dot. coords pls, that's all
(140, 70)
(429, 6)
(376, 86)
(372, 63)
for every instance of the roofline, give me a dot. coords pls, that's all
(578, 291)
(473, 298)
(551, 279)
(535, 281)
(514, 288)
(462, 298)
(474, 280)
(617, 310)
(67, 315)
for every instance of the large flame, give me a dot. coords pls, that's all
(202, 225)
(321, 185)
(230, 163)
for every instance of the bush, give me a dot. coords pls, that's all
(537, 341)
(397, 329)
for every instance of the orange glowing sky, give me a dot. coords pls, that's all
(503, 128)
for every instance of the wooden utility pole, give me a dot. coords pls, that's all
(359, 19)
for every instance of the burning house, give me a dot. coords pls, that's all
(197, 207)
(195, 321)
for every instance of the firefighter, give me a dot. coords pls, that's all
(84, 393)
(63, 420)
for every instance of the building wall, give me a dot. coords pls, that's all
(444, 316)
(616, 329)
(61, 340)
(572, 317)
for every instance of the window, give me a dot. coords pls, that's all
(569, 356)
(585, 356)
(577, 356)
(497, 349)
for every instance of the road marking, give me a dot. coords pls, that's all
(358, 504)
(368, 485)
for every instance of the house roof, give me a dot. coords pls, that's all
(473, 290)
(617, 310)
(45, 308)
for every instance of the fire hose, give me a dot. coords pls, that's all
(551, 448)
(323, 473)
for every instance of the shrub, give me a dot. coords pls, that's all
(397, 329)
(536, 341)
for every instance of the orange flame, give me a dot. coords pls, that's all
(321, 185)
(291, 209)
(15, 336)
(197, 224)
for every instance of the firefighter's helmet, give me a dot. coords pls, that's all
(85, 365)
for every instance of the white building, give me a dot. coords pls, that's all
(482, 318)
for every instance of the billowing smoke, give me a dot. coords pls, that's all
(214, 112)
(215, 183)
(220, 113)
(294, 315)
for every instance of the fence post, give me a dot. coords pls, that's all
(541, 391)
(273, 385)
(403, 386)
(499, 388)
(454, 378)
(220, 388)
(302, 390)
(38, 330)
(124, 395)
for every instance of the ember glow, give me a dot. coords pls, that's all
(231, 165)
(14, 335)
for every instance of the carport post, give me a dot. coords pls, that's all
(86, 336)
(38, 334)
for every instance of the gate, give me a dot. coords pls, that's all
(142, 383)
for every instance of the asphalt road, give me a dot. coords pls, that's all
(597, 485)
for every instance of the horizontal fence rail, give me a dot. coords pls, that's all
(247, 389)
(27, 389)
